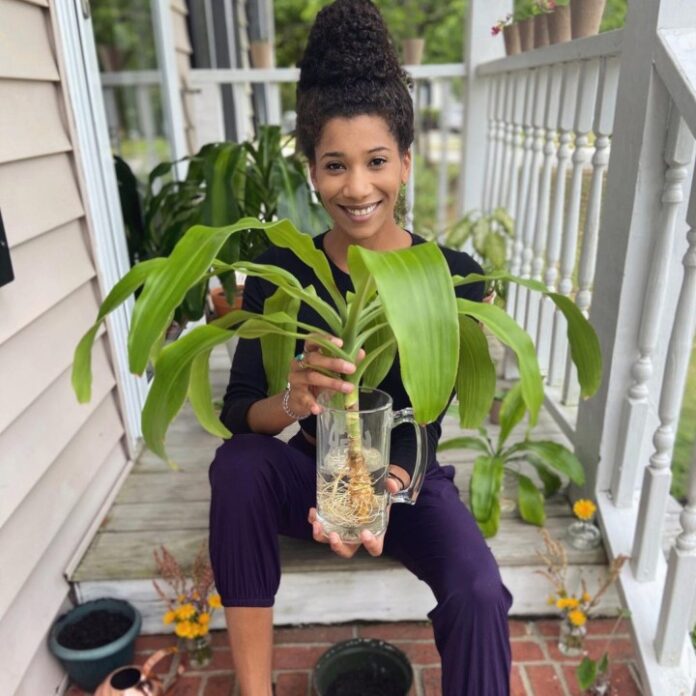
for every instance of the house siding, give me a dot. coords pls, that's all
(59, 460)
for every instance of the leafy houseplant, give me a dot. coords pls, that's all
(402, 300)
(485, 486)
(225, 182)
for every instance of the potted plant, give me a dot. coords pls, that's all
(586, 17)
(403, 300)
(559, 21)
(261, 51)
(549, 459)
(523, 16)
(95, 638)
(511, 34)
(541, 26)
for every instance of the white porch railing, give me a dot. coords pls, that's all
(604, 127)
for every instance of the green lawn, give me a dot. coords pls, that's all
(686, 435)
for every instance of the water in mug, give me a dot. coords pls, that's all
(335, 507)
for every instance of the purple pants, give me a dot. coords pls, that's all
(262, 487)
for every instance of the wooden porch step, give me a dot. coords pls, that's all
(157, 505)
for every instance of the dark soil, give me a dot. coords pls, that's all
(94, 630)
(365, 682)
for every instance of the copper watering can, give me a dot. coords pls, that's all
(138, 681)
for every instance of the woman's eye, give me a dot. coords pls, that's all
(333, 166)
(378, 161)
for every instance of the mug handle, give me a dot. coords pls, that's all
(410, 494)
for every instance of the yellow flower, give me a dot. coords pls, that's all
(169, 617)
(567, 603)
(551, 600)
(214, 601)
(185, 611)
(584, 509)
(577, 618)
(204, 618)
(586, 598)
(183, 629)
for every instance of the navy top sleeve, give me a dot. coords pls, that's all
(247, 377)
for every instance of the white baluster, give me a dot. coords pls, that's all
(525, 181)
(584, 112)
(517, 175)
(490, 156)
(509, 168)
(554, 78)
(675, 622)
(498, 173)
(657, 477)
(530, 218)
(569, 89)
(679, 150)
(411, 183)
(442, 188)
(604, 121)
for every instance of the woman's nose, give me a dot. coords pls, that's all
(357, 186)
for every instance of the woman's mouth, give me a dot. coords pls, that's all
(360, 213)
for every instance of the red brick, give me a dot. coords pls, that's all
(516, 683)
(219, 685)
(544, 680)
(618, 648)
(296, 656)
(313, 634)
(292, 684)
(526, 651)
(222, 660)
(549, 628)
(403, 630)
(186, 686)
(420, 653)
(219, 639)
(623, 680)
(432, 682)
(518, 629)
(150, 644)
(604, 627)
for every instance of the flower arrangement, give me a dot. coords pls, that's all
(501, 24)
(192, 603)
(583, 534)
(575, 608)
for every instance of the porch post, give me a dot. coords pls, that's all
(479, 47)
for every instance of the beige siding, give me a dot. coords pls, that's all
(59, 459)
(183, 63)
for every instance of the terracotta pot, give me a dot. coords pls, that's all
(541, 31)
(261, 54)
(511, 36)
(526, 29)
(413, 51)
(586, 16)
(220, 303)
(559, 25)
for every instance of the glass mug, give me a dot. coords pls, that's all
(353, 462)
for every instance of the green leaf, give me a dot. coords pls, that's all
(82, 361)
(484, 486)
(603, 664)
(554, 456)
(512, 412)
(586, 673)
(464, 442)
(476, 374)
(278, 351)
(489, 527)
(201, 397)
(415, 287)
(530, 501)
(550, 481)
(506, 330)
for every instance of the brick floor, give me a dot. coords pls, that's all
(538, 668)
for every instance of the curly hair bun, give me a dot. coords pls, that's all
(349, 42)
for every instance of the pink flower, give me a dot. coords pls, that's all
(495, 30)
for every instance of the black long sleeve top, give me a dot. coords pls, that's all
(247, 377)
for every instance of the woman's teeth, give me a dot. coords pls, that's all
(361, 212)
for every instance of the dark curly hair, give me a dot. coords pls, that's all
(350, 68)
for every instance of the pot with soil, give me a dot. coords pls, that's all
(95, 638)
(363, 667)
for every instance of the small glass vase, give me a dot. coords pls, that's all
(200, 651)
(584, 535)
(571, 641)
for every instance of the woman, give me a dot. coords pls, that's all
(355, 125)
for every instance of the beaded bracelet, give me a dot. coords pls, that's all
(286, 407)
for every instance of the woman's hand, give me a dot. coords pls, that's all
(373, 544)
(307, 378)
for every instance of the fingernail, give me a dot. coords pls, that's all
(347, 388)
(348, 367)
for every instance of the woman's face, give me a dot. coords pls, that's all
(358, 172)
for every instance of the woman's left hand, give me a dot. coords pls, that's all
(344, 549)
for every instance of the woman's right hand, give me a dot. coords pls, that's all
(306, 382)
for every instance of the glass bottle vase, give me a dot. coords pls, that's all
(200, 651)
(584, 535)
(571, 641)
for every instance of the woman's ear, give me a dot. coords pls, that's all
(313, 173)
(405, 166)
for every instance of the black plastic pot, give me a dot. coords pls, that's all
(363, 667)
(88, 668)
